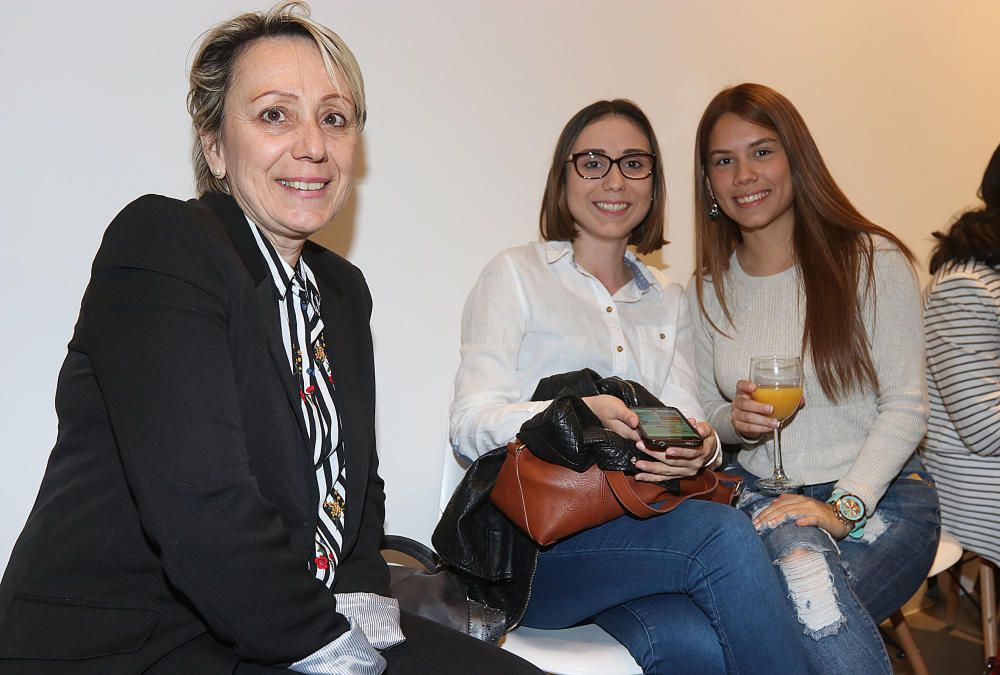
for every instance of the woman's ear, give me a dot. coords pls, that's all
(211, 148)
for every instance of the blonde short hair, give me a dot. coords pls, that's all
(213, 66)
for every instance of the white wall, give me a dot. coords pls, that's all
(466, 102)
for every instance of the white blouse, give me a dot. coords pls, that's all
(534, 312)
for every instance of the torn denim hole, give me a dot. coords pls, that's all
(876, 526)
(748, 497)
(810, 587)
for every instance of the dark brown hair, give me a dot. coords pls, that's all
(833, 242)
(556, 223)
(976, 233)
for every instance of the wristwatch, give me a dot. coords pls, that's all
(850, 510)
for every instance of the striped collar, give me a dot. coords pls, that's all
(282, 274)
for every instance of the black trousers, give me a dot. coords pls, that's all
(429, 648)
(432, 648)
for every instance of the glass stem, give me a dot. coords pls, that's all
(779, 470)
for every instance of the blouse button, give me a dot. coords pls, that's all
(663, 336)
(609, 309)
(620, 348)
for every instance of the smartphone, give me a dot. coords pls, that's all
(667, 428)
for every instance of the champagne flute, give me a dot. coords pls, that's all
(779, 383)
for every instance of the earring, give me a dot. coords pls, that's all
(713, 211)
(218, 173)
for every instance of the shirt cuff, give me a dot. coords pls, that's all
(374, 621)
(716, 459)
(349, 654)
(377, 615)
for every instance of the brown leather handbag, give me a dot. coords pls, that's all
(549, 502)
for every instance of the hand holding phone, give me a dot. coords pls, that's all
(666, 427)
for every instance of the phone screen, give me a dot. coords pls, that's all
(667, 427)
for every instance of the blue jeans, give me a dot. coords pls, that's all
(840, 591)
(692, 591)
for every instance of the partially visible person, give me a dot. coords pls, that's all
(213, 503)
(786, 265)
(692, 591)
(962, 327)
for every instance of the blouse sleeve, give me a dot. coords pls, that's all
(486, 410)
(963, 358)
(897, 349)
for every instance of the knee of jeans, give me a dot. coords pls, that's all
(735, 532)
(810, 586)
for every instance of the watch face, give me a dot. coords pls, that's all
(851, 508)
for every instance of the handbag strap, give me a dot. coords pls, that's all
(634, 504)
(422, 554)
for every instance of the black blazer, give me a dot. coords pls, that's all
(177, 513)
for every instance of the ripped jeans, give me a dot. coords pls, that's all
(840, 591)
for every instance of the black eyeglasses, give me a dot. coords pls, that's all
(594, 165)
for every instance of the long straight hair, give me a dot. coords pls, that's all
(833, 242)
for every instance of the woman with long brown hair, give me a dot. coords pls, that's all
(786, 265)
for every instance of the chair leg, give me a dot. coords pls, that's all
(908, 644)
(988, 602)
(949, 589)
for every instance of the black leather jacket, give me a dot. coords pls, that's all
(475, 540)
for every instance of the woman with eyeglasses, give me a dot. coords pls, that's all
(692, 591)
(787, 265)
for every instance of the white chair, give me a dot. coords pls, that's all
(582, 650)
(949, 552)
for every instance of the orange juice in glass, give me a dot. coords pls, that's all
(784, 397)
(779, 383)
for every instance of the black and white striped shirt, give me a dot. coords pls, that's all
(374, 619)
(305, 346)
(962, 446)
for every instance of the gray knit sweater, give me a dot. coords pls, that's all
(860, 442)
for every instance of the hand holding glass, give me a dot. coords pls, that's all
(779, 383)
